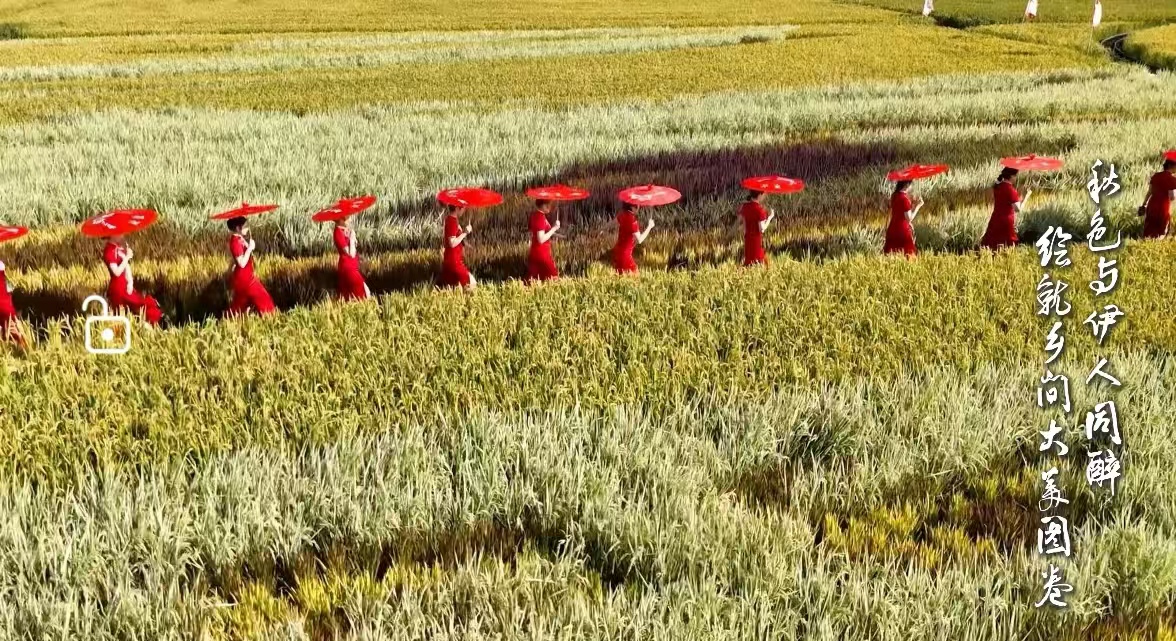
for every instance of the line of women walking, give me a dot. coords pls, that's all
(249, 294)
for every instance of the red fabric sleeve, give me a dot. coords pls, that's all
(237, 246)
(452, 229)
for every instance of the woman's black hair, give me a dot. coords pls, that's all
(901, 185)
(1006, 173)
(1169, 164)
(236, 224)
(542, 203)
(753, 194)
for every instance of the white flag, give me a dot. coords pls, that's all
(1097, 12)
(1031, 9)
(928, 7)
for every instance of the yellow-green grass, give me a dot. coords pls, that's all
(973, 12)
(96, 17)
(889, 506)
(1155, 47)
(313, 374)
(816, 56)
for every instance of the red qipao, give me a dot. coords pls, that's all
(900, 237)
(753, 214)
(121, 293)
(351, 284)
(1002, 227)
(248, 292)
(453, 268)
(627, 230)
(7, 309)
(540, 264)
(1159, 206)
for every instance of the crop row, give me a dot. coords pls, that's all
(803, 58)
(187, 164)
(315, 373)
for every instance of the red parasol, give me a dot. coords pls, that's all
(1032, 162)
(916, 172)
(774, 184)
(244, 210)
(557, 192)
(469, 197)
(344, 208)
(118, 222)
(1170, 155)
(649, 195)
(12, 233)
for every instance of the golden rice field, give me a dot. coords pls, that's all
(839, 445)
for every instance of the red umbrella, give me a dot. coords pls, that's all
(1170, 155)
(343, 209)
(12, 233)
(557, 192)
(649, 195)
(774, 184)
(916, 172)
(244, 210)
(470, 197)
(118, 222)
(1032, 162)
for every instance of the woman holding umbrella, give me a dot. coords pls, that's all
(351, 285)
(1002, 226)
(1007, 203)
(117, 255)
(1157, 208)
(756, 217)
(900, 236)
(629, 233)
(540, 263)
(454, 272)
(248, 292)
(9, 330)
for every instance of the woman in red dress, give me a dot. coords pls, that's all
(540, 264)
(629, 235)
(121, 293)
(351, 283)
(756, 219)
(248, 292)
(1157, 209)
(1002, 227)
(453, 268)
(900, 237)
(9, 331)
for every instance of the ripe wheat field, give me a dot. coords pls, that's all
(837, 446)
